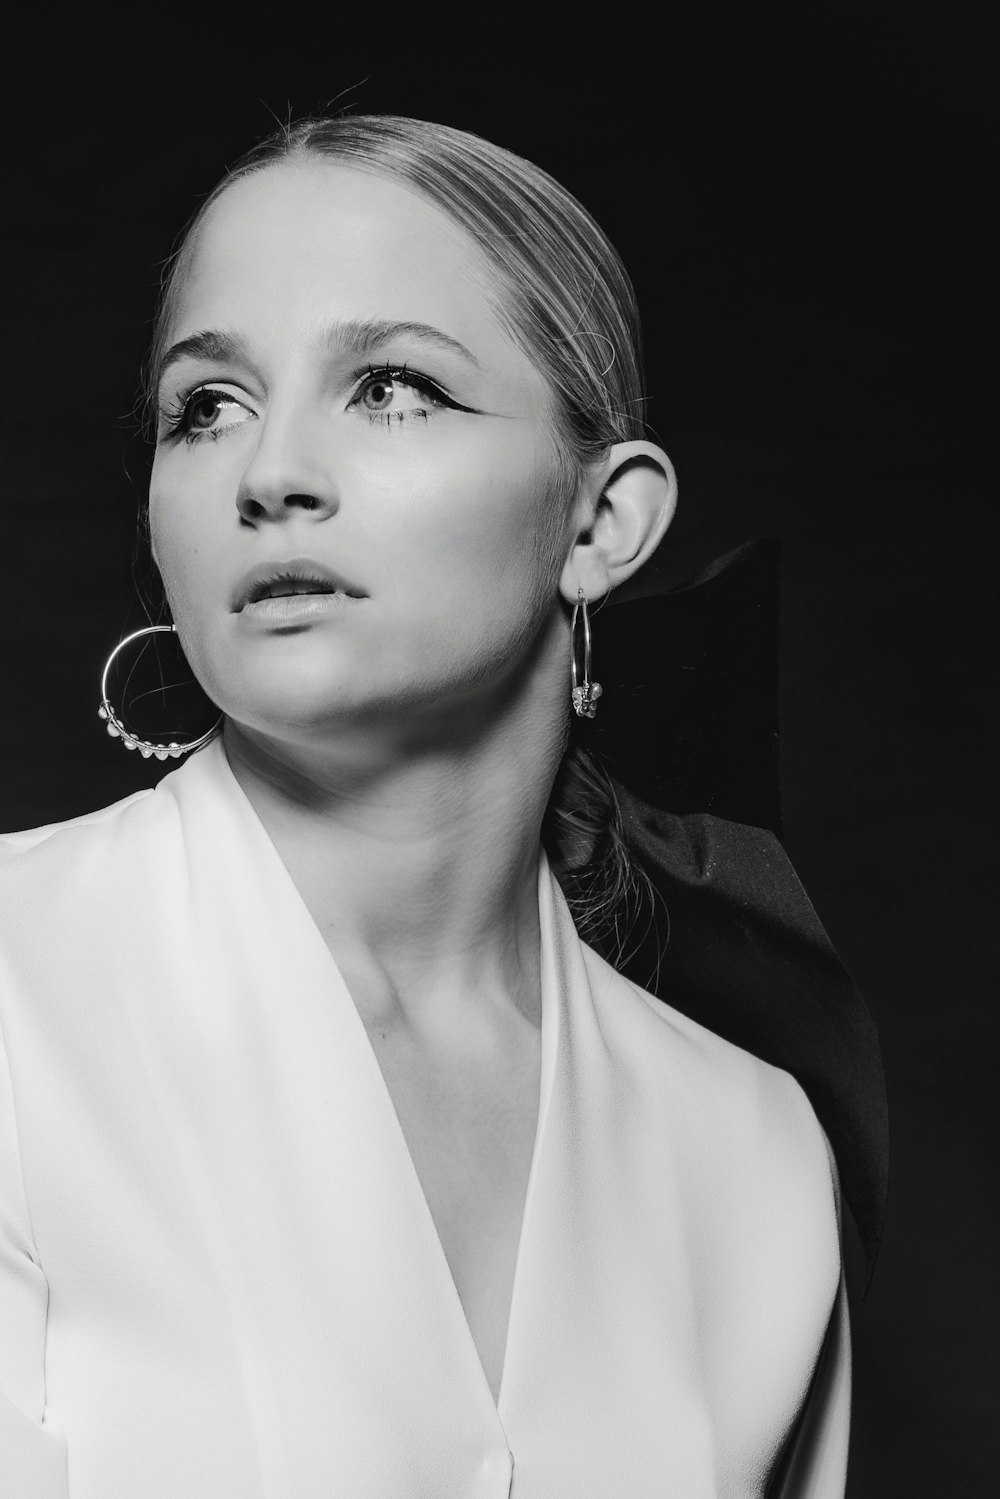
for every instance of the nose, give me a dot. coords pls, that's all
(287, 475)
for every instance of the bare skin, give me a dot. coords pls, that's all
(438, 943)
(400, 747)
(439, 947)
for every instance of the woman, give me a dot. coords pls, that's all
(333, 1161)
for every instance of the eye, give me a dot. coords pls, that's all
(205, 412)
(398, 394)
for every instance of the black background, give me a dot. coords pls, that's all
(804, 208)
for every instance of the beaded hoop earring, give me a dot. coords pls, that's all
(117, 729)
(585, 692)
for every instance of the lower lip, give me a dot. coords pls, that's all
(293, 610)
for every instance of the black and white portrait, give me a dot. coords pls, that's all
(493, 887)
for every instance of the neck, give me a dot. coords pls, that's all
(420, 868)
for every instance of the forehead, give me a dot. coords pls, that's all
(302, 242)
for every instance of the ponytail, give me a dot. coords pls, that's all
(610, 897)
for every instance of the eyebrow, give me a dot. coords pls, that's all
(207, 344)
(357, 336)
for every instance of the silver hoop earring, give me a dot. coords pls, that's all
(585, 692)
(117, 729)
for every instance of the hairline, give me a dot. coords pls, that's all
(177, 269)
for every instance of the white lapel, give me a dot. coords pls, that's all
(601, 1390)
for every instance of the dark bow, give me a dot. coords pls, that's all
(687, 729)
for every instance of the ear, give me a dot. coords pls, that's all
(623, 511)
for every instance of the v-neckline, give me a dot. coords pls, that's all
(550, 1030)
(434, 1235)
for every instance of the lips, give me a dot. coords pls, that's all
(293, 576)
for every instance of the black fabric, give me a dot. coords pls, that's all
(689, 716)
(688, 731)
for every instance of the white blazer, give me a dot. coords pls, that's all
(220, 1279)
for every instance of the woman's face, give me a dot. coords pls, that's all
(343, 412)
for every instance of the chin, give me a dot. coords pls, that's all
(301, 689)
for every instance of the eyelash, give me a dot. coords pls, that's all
(401, 375)
(177, 416)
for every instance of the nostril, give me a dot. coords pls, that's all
(263, 506)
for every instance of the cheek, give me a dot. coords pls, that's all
(174, 538)
(523, 535)
(500, 506)
(160, 511)
(491, 556)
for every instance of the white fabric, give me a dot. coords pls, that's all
(219, 1278)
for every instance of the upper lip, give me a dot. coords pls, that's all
(299, 573)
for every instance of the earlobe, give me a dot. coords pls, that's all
(636, 496)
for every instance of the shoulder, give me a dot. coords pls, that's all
(733, 1106)
(77, 871)
(61, 900)
(124, 827)
(666, 1035)
(12, 844)
(36, 860)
